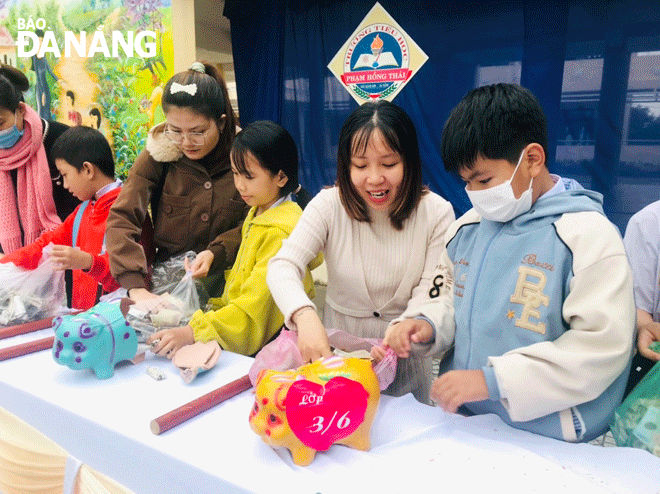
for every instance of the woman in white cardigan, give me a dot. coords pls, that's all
(382, 234)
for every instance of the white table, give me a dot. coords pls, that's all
(106, 425)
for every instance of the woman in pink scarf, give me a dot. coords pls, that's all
(30, 202)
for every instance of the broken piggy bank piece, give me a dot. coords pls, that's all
(96, 339)
(196, 358)
(330, 401)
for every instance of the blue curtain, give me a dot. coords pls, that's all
(593, 65)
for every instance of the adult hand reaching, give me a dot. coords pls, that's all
(312, 337)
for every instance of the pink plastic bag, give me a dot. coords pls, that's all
(282, 354)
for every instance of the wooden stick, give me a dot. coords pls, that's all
(27, 327)
(199, 405)
(25, 348)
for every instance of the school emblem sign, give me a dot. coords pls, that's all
(378, 60)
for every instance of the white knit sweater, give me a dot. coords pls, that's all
(375, 273)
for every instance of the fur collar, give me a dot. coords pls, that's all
(160, 147)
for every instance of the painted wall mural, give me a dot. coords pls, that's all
(100, 63)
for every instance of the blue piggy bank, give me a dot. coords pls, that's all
(95, 339)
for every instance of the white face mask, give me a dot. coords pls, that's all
(499, 203)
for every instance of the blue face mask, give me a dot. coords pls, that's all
(9, 137)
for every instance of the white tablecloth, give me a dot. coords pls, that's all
(105, 423)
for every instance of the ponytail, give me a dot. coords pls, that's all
(301, 196)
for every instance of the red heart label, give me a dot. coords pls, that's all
(322, 415)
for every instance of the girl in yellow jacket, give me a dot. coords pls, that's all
(264, 161)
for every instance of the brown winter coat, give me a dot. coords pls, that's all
(199, 209)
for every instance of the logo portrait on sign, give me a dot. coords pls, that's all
(378, 59)
(376, 62)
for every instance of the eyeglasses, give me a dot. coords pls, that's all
(194, 138)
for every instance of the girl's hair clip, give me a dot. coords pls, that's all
(191, 88)
(198, 67)
(297, 189)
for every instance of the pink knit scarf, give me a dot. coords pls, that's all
(34, 186)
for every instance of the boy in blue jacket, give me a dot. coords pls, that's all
(536, 276)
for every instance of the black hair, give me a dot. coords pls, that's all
(79, 144)
(72, 95)
(211, 99)
(12, 84)
(94, 112)
(275, 150)
(301, 196)
(400, 135)
(495, 122)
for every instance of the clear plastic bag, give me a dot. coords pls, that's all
(168, 310)
(30, 295)
(167, 276)
(636, 422)
(282, 354)
(184, 297)
(179, 296)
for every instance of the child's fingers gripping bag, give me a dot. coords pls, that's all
(636, 422)
(282, 354)
(345, 343)
(29, 295)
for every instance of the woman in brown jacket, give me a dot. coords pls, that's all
(185, 175)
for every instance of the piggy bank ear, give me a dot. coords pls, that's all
(280, 396)
(260, 376)
(124, 305)
(57, 322)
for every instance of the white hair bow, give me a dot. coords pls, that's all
(191, 89)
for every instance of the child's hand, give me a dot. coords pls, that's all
(646, 336)
(64, 257)
(454, 388)
(398, 336)
(378, 353)
(201, 265)
(312, 338)
(168, 341)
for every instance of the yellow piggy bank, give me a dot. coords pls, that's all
(331, 401)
